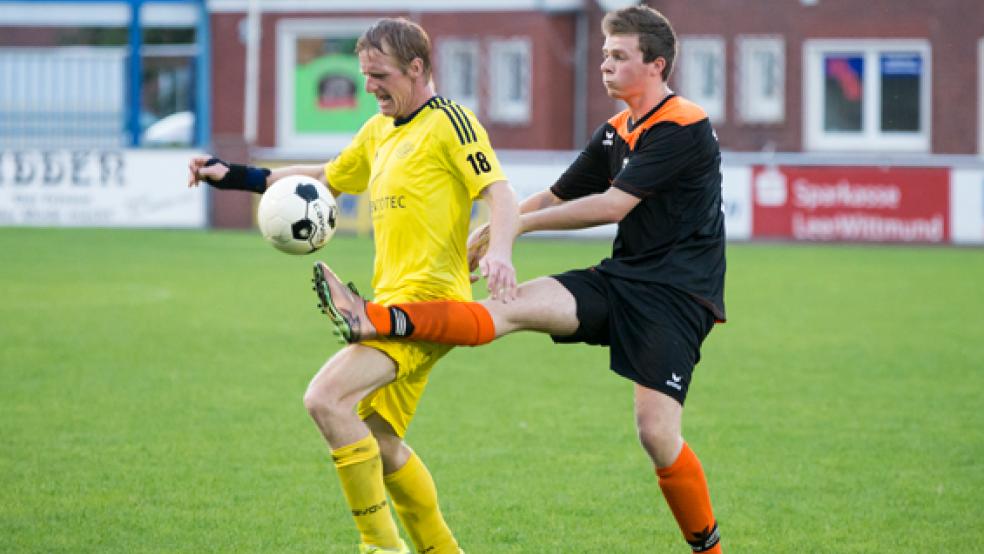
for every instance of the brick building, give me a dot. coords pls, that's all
(887, 76)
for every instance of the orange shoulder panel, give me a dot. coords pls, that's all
(620, 121)
(677, 110)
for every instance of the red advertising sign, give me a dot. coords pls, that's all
(864, 204)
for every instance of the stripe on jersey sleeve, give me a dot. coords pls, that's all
(463, 128)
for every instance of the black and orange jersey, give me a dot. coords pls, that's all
(671, 160)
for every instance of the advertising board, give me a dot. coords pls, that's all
(845, 203)
(99, 188)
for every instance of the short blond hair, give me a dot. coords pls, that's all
(399, 38)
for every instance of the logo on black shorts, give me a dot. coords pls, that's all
(675, 382)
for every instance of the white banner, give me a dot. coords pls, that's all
(532, 173)
(98, 188)
(736, 199)
(967, 206)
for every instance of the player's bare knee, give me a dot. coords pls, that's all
(512, 316)
(312, 401)
(654, 435)
(500, 318)
(322, 404)
(661, 442)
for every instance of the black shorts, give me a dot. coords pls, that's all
(654, 331)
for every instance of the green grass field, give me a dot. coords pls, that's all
(151, 383)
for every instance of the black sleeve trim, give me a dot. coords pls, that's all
(556, 190)
(589, 173)
(463, 117)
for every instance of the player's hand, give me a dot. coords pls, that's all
(478, 245)
(198, 171)
(500, 275)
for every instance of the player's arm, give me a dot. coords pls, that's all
(653, 167)
(584, 186)
(230, 176)
(348, 172)
(471, 158)
(496, 264)
(478, 241)
(587, 175)
(543, 199)
(316, 171)
(610, 206)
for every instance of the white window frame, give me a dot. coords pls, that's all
(753, 106)
(288, 31)
(691, 81)
(448, 74)
(502, 109)
(871, 138)
(980, 97)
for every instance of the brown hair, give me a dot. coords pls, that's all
(399, 38)
(656, 36)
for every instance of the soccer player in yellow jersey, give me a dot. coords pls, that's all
(423, 159)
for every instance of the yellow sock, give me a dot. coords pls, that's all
(415, 500)
(360, 470)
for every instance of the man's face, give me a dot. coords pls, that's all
(622, 69)
(392, 88)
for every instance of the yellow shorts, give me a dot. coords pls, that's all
(397, 401)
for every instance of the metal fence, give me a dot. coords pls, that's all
(62, 97)
(89, 96)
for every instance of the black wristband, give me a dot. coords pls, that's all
(241, 177)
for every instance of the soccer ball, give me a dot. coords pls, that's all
(297, 214)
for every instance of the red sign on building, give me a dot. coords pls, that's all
(864, 204)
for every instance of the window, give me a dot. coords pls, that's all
(702, 73)
(321, 97)
(870, 95)
(509, 80)
(842, 89)
(761, 79)
(458, 72)
(62, 97)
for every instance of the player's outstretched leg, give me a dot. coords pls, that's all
(342, 304)
(441, 321)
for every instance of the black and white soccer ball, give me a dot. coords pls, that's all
(297, 214)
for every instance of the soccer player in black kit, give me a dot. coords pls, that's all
(655, 170)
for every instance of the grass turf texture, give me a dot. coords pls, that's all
(151, 382)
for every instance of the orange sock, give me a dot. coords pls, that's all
(445, 322)
(685, 489)
(379, 316)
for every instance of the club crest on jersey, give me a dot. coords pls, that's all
(404, 150)
(609, 136)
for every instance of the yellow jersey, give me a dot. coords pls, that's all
(422, 172)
